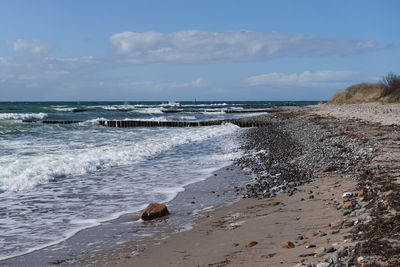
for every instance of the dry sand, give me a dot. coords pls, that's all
(371, 112)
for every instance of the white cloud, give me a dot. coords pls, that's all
(307, 78)
(235, 46)
(30, 46)
(156, 86)
(40, 70)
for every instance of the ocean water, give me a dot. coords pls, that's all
(58, 179)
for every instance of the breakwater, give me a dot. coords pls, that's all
(133, 124)
(136, 123)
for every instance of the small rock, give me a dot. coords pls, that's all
(323, 264)
(347, 212)
(320, 252)
(310, 234)
(348, 223)
(307, 255)
(330, 250)
(310, 246)
(153, 211)
(348, 195)
(235, 244)
(362, 260)
(288, 244)
(345, 206)
(322, 234)
(300, 237)
(336, 224)
(335, 232)
(251, 244)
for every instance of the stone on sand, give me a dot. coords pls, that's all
(153, 211)
(288, 244)
(251, 244)
(311, 234)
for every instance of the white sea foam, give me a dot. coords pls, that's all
(170, 104)
(92, 122)
(206, 105)
(148, 110)
(22, 116)
(63, 109)
(162, 118)
(21, 172)
(184, 117)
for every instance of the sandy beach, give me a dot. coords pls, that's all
(317, 186)
(346, 214)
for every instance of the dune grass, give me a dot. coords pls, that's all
(386, 91)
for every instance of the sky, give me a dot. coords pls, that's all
(177, 50)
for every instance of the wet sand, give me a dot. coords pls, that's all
(220, 237)
(216, 190)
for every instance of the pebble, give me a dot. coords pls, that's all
(289, 244)
(307, 255)
(330, 250)
(348, 195)
(282, 169)
(311, 234)
(251, 244)
(336, 224)
(293, 150)
(320, 252)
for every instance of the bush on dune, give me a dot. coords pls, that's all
(386, 91)
(391, 87)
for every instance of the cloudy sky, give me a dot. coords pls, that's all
(181, 50)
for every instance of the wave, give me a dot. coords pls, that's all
(183, 117)
(22, 116)
(29, 171)
(92, 122)
(148, 111)
(171, 104)
(64, 109)
(206, 105)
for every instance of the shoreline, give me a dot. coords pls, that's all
(72, 249)
(304, 164)
(327, 225)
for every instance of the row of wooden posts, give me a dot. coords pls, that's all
(53, 122)
(135, 124)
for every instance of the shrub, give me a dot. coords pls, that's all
(391, 84)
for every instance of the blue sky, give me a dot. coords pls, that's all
(181, 50)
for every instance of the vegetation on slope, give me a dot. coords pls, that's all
(386, 91)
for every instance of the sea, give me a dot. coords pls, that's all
(57, 179)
